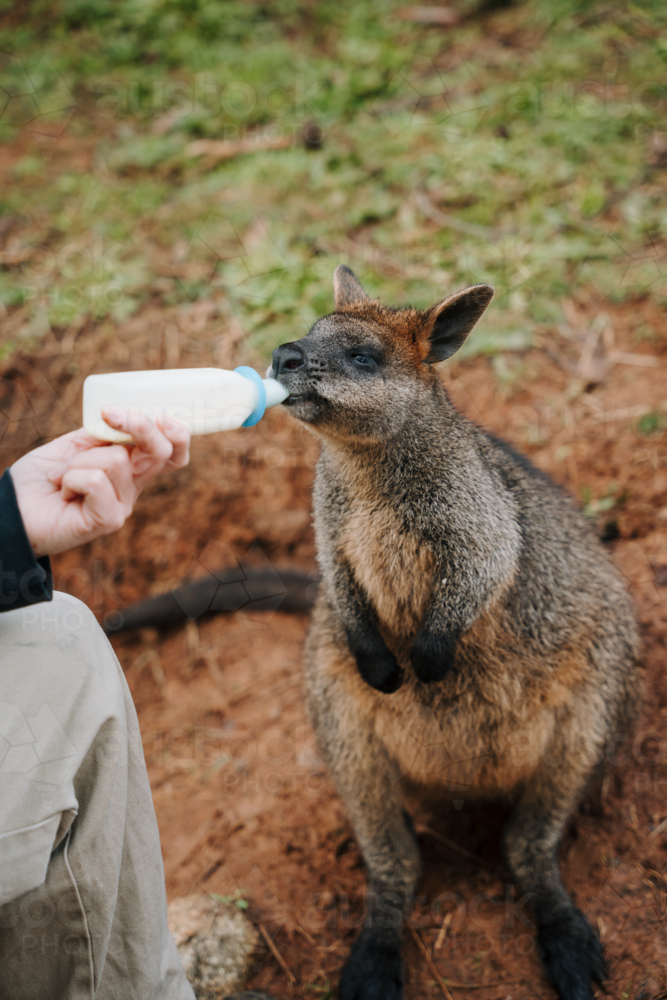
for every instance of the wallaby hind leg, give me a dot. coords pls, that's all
(570, 950)
(374, 970)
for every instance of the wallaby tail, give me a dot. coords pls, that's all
(224, 590)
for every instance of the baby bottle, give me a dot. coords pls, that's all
(204, 399)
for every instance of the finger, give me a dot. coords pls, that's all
(113, 461)
(152, 450)
(99, 510)
(77, 440)
(147, 437)
(53, 456)
(179, 437)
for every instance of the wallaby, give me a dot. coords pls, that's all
(469, 634)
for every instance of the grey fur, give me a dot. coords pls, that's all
(470, 634)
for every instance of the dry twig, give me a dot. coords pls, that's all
(225, 149)
(445, 17)
(299, 929)
(660, 828)
(593, 363)
(431, 964)
(641, 360)
(447, 221)
(442, 933)
(276, 954)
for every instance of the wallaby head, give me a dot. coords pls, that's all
(359, 371)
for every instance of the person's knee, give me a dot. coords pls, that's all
(63, 616)
(64, 634)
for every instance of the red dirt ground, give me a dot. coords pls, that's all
(243, 802)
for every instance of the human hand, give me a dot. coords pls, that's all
(77, 488)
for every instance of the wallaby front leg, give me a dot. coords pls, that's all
(376, 663)
(471, 570)
(357, 764)
(570, 950)
(434, 647)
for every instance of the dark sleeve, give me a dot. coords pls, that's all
(24, 579)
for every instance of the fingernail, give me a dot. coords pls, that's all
(112, 415)
(171, 424)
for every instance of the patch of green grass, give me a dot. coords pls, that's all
(236, 898)
(651, 423)
(323, 992)
(609, 500)
(531, 127)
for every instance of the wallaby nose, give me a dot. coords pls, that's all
(288, 358)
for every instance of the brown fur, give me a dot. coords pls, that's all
(395, 570)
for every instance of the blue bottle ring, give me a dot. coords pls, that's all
(258, 412)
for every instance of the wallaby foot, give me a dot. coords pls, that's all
(374, 970)
(572, 955)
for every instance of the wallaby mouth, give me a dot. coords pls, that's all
(297, 394)
(305, 405)
(302, 397)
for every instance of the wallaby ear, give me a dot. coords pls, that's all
(453, 319)
(347, 290)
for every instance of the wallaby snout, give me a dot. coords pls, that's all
(288, 358)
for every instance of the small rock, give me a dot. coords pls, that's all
(312, 135)
(216, 942)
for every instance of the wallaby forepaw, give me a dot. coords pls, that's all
(572, 956)
(432, 656)
(376, 664)
(374, 970)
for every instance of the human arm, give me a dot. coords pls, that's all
(24, 579)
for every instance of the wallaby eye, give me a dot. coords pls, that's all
(363, 360)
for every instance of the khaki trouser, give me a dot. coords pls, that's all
(83, 906)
